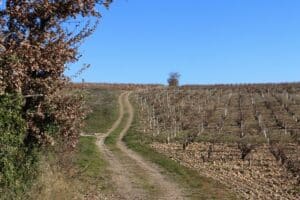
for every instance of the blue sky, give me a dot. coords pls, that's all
(206, 41)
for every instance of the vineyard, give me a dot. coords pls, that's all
(245, 136)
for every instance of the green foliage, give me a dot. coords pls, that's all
(17, 163)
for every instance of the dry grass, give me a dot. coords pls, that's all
(54, 183)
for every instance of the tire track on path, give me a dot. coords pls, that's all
(133, 177)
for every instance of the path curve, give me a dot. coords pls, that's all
(127, 165)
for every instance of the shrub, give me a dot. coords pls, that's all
(17, 162)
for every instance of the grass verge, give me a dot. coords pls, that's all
(93, 169)
(88, 157)
(104, 107)
(86, 173)
(112, 139)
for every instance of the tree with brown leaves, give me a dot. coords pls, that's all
(38, 39)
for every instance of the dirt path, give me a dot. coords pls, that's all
(134, 177)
